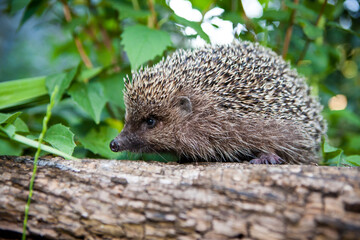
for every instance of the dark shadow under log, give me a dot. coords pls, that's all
(103, 199)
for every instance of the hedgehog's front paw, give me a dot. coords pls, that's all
(267, 158)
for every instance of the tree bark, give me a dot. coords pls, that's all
(108, 199)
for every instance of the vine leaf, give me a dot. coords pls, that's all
(143, 44)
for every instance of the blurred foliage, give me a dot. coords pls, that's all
(109, 38)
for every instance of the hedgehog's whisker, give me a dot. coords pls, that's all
(158, 153)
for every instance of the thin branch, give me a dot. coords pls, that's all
(79, 45)
(82, 52)
(152, 18)
(289, 32)
(303, 53)
(135, 4)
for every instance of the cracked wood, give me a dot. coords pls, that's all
(103, 199)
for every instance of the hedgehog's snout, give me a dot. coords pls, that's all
(126, 141)
(120, 143)
(114, 146)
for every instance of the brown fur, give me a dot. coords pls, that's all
(240, 101)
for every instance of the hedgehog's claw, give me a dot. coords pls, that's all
(267, 158)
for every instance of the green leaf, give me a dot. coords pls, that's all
(264, 3)
(275, 15)
(114, 87)
(302, 9)
(327, 148)
(87, 74)
(61, 138)
(233, 17)
(310, 30)
(98, 141)
(21, 126)
(8, 147)
(143, 44)
(332, 155)
(338, 26)
(31, 9)
(17, 5)
(21, 91)
(201, 4)
(6, 119)
(10, 123)
(127, 11)
(90, 97)
(353, 159)
(61, 80)
(195, 25)
(9, 130)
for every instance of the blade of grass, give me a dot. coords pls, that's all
(21, 91)
(42, 134)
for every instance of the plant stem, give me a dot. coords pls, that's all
(78, 43)
(303, 53)
(41, 137)
(152, 17)
(289, 32)
(135, 4)
(43, 147)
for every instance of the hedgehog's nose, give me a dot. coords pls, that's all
(114, 146)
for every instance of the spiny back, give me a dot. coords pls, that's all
(242, 78)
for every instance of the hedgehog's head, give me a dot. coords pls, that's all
(159, 114)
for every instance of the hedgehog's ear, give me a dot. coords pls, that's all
(185, 104)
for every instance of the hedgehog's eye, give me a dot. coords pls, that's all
(150, 122)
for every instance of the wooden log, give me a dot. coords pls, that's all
(107, 199)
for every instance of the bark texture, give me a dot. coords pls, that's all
(103, 199)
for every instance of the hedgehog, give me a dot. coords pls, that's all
(235, 102)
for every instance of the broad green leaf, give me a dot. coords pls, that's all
(302, 9)
(87, 74)
(75, 23)
(195, 25)
(143, 44)
(115, 123)
(61, 138)
(98, 141)
(114, 87)
(9, 130)
(21, 91)
(21, 126)
(128, 11)
(10, 123)
(90, 97)
(353, 159)
(275, 15)
(338, 26)
(354, 142)
(61, 80)
(31, 9)
(310, 30)
(332, 155)
(17, 5)
(264, 3)
(327, 148)
(233, 17)
(6, 119)
(202, 5)
(8, 147)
